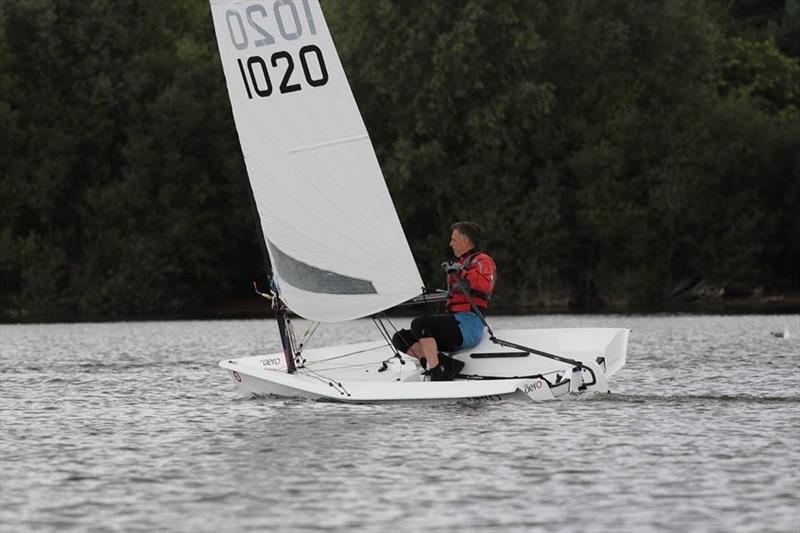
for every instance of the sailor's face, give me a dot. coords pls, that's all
(459, 243)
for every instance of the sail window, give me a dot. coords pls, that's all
(312, 279)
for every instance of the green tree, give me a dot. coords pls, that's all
(618, 151)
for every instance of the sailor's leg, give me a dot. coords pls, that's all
(407, 342)
(426, 347)
(435, 332)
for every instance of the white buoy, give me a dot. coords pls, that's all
(785, 334)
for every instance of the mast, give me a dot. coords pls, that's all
(278, 307)
(284, 325)
(281, 312)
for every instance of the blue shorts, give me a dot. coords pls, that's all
(451, 332)
(471, 328)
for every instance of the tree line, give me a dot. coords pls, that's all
(617, 152)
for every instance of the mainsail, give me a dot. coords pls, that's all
(334, 239)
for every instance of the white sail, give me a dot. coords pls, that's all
(335, 242)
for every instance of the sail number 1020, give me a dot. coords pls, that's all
(254, 70)
(256, 74)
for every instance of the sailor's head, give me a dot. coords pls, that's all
(464, 237)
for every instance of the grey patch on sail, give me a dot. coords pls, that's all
(312, 279)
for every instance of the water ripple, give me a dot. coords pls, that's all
(132, 427)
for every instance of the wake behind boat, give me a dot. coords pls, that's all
(334, 240)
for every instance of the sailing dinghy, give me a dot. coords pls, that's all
(337, 248)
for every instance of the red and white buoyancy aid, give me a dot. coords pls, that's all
(480, 273)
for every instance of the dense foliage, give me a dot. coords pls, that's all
(618, 152)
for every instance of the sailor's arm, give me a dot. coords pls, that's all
(481, 274)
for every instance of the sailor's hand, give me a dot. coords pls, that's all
(449, 266)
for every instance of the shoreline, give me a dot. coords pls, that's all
(251, 309)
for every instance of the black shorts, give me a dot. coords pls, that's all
(443, 328)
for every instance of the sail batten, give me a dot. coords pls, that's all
(328, 143)
(332, 233)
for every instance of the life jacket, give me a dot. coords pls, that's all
(480, 274)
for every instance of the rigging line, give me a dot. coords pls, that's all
(478, 377)
(463, 286)
(359, 365)
(311, 328)
(381, 328)
(332, 382)
(314, 375)
(385, 332)
(386, 337)
(365, 225)
(345, 355)
(292, 339)
(396, 351)
(389, 320)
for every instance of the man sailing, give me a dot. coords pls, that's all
(470, 280)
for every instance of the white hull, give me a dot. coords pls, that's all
(352, 373)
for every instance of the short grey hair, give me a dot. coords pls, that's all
(470, 230)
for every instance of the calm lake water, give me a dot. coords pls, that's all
(132, 427)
